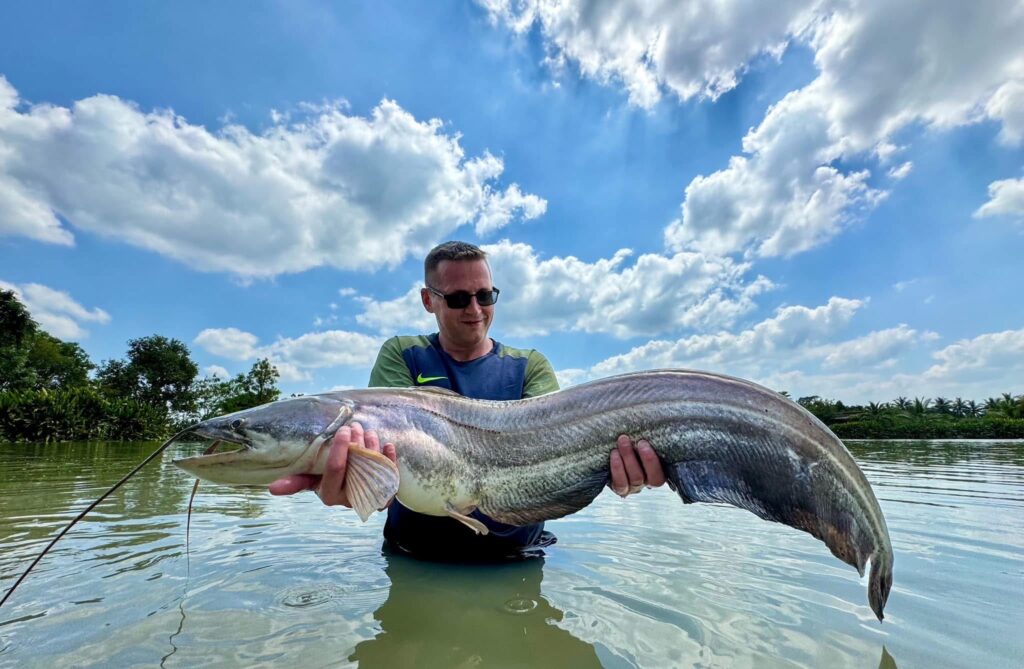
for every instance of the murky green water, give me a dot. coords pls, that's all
(643, 582)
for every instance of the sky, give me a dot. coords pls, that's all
(825, 197)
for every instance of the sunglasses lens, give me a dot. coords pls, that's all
(458, 300)
(487, 297)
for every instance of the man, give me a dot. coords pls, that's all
(462, 357)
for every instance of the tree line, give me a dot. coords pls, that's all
(923, 418)
(51, 391)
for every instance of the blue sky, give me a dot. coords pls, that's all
(825, 197)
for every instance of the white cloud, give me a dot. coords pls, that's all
(881, 67)
(333, 189)
(654, 294)
(997, 356)
(879, 348)
(802, 350)
(218, 371)
(501, 208)
(230, 343)
(688, 48)
(794, 332)
(901, 171)
(1006, 198)
(294, 357)
(56, 311)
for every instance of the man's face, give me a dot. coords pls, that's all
(467, 327)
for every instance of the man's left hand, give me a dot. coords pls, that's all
(633, 468)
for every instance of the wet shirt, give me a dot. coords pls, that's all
(503, 374)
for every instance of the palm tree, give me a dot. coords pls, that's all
(942, 406)
(901, 403)
(972, 409)
(920, 406)
(875, 409)
(959, 408)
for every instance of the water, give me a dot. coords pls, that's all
(643, 582)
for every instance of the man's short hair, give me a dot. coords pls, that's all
(450, 251)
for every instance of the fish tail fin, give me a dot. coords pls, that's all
(879, 582)
(794, 498)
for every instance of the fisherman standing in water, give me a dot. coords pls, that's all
(461, 357)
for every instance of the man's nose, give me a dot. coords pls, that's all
(474, 305)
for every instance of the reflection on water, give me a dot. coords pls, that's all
(512, 623)
(644, 582)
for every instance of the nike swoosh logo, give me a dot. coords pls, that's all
(427, 379)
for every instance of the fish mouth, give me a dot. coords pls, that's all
(223, 446)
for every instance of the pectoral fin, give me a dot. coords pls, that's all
(371, 480)
(468, 521)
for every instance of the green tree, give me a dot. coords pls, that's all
(158, 372)
(215, 397)
(31, 359)
(58, 364)
(16, 325)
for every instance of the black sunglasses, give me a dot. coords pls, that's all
(460, 299)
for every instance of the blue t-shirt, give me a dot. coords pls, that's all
(503, 374)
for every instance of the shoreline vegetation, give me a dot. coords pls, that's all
(51, 391)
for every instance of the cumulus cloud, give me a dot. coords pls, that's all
(999, 354)
(216, 370)
(1006, 198)
(804, 350)
(230, 343)
(294, 357)
(793, 332)
(332, 189)
(652, 295)
(881, 67)
(901, 171)
(881, 348)
(56, 311)
(690, 49)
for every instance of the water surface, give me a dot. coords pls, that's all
(642, 582)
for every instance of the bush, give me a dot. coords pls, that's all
(76, 414)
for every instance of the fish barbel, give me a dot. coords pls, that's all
(720, 439)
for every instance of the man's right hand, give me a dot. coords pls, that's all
(331, 486)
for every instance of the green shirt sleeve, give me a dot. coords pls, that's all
(540, 378)
(390, 370)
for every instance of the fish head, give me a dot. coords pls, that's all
(259, 445)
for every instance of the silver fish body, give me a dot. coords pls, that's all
(720, 439)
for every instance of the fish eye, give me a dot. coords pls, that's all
(236, 423)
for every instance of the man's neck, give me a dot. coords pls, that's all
(465, 354)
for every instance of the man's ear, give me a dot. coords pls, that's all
(425, 298)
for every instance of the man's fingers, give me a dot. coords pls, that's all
(372, 440)
(390, 452)
(620, 482)
(290, 485)
(357, 434)
(653, 471)
(634, 472)
(334, 471)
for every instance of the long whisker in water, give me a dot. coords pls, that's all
(89, 508)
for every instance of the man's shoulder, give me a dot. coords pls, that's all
(513, 352)
(403, 342)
